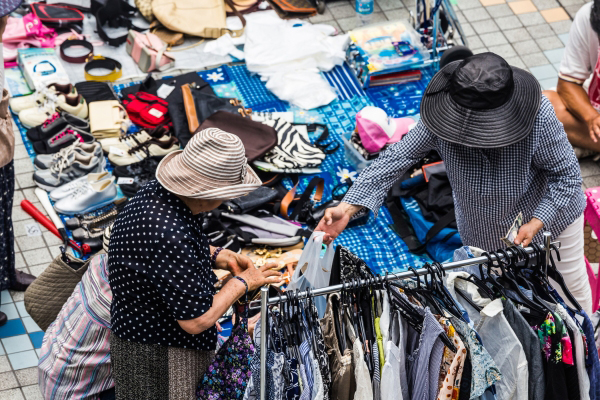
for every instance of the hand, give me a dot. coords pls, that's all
(257, 277)
(335, 221)
(233, 262)
(528, 231)
(594, 127)
(3, 22)
(252, 324)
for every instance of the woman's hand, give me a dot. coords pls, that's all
(3, 22)
(233, 262)
(257, 277)
(528, 231)
(335, 221)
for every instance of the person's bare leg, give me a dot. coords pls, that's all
(577, 130)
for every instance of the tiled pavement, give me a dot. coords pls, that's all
(529, 34)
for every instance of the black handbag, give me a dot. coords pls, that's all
(253, 200)
(56, 16)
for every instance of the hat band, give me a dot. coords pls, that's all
(471, 97)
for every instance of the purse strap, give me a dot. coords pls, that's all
(318, 183)
(236, 32)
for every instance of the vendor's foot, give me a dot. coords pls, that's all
(3, 318)
(22, 281)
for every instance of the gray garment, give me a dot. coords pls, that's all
(531, 347)
(423, 363)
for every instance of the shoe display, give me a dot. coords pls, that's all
(45, 161)
(68, 188)
(129, 141)
(56, 123)
(72, 104)
(63, 139)
(88, 198)
(22, 281)
(68, 169)
(141, 172)
(155, 147)
(89, 220)
(18, 104)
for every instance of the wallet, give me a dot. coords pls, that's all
(107, 119)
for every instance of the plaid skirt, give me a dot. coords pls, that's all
(154, 372)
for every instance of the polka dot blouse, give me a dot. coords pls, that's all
(160, 271)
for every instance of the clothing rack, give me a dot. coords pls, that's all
(265, 301)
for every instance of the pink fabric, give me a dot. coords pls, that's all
(23, 33)
(154, 44)
(594, 89)
(374, 137)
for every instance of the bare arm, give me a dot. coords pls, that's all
(578, 103)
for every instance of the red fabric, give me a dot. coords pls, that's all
(146, 110)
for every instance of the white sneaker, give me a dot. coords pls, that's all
(88, 197)
(45, 161)
(68, 189)
(18, 104)
(73, 104)
(125, 142)
(155, 147)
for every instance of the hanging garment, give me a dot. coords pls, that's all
(592, 361)
(394, 383)
(317, 391)
(376, 372)
(531, 347)
(424, 356)
(451, 382)
(448, 355)
(320, 353)
(484, 371)
(364, 390)
(343, 383)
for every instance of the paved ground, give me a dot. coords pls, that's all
(529, 34)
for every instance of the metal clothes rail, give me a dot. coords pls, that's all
(265, 301)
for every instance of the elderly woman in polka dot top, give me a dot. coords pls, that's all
(160, 266)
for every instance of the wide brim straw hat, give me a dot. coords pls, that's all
(213, 166)
(481, 102)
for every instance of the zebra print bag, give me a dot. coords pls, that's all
(293, 149)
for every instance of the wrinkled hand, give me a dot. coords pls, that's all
(233, 262)
(252, 323)
(594, 127)
(3, 22)
(335, 221)
(257, 277)
(528, 231)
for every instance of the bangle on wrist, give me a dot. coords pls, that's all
(245, 284)
(214, 256)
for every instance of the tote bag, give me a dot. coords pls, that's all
(314, 269)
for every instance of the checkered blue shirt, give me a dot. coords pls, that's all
(538, 176)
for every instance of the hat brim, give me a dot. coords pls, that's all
(177, 178)
(490, 128)
(9, 6)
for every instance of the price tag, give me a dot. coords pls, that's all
(117, 151)
(124, 181)
(164, 91)
(155, 113)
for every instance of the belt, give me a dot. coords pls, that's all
(76, 42)
(105, 63)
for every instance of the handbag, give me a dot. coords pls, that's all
(288, 9)
(45, 297)
(229, 372)
(145, 8)
(314, 269)
(107, 119)
(245, 204)
(95, 91)
(146, 110)
(148, 51)
(56, 16)
(257, 138)
(204, 18)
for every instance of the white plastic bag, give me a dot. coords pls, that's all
(313, 271)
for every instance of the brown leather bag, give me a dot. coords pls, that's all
(257, 138)
(288, 9)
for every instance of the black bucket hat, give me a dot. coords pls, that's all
(8, 6)
(481, 102)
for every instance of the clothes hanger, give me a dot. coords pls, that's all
(553, 273)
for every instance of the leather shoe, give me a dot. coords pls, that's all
(22, 281)
(3, 318)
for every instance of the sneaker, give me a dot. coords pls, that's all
(91, 221)
(132, 170)
(88, 198)
(18, 104)
(129, 141)
(64, 138)
(45, 161)
(67, 170)
(139, 181)
(72, 104)
(155, 147)
(67, 189)
(56, 123)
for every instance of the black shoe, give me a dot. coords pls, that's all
(62, 139)
(3, 318)
(22, 281)
(139, 181)
(54, 125)
(130, 171)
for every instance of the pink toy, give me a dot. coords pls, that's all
(592, 217)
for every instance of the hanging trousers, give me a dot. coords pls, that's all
(572, 265)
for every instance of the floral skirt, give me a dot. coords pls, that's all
(150, 371)
(7, 237)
